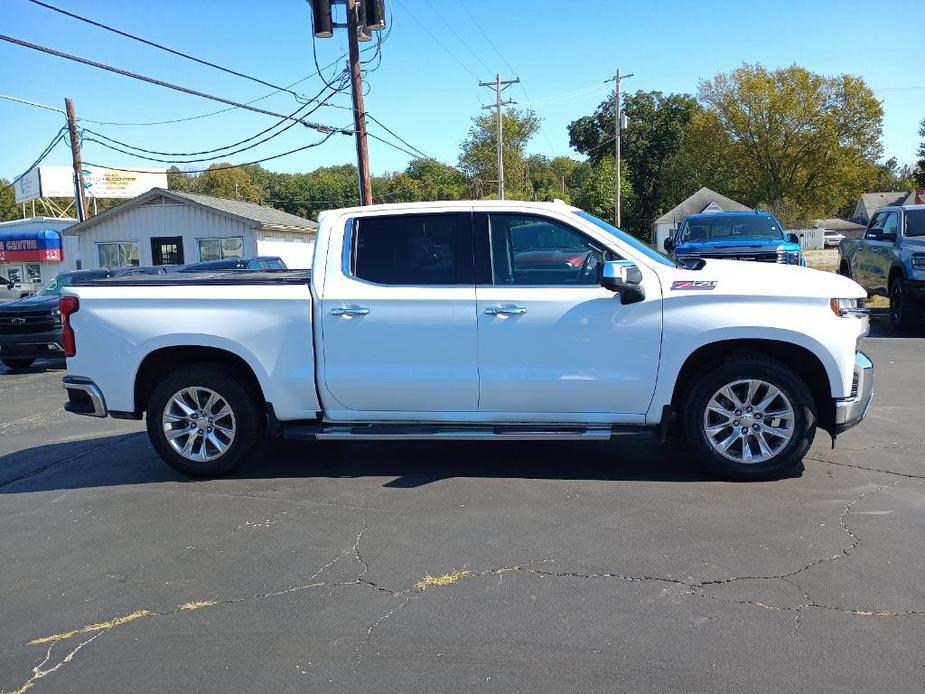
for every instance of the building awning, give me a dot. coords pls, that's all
(30, 246)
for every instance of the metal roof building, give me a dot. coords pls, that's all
(167, 227)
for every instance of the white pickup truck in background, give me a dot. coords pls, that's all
(475, 320)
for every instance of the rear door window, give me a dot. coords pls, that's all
(413, 249)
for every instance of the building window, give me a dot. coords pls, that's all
(167, 250)
(118, 254)
(219, 249)
(34, 272)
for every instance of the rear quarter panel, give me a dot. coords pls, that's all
(268, 326)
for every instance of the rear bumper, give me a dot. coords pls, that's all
(32, 345)
(84, 397)
(851, 410)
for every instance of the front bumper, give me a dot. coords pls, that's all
(32, 345)
(851, 410)
(84, 397)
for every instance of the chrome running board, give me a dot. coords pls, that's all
(462, 432)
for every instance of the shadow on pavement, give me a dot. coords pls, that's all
(880, 326)
(129, 460)
(40, 366)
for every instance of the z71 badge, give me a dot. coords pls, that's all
(694, 284)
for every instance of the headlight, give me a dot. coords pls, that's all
(918, 261)
(849, 308)
(793, 257)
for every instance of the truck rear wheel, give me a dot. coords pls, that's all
(749, 417)
(202, 421)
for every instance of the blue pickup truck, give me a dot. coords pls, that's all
(754, 236)
(889, 260)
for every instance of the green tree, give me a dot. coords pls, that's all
(594, 190)
(797, 136)
(9, 210)
(919, 174)
(233, 183)
(658, 126)
(478, 159)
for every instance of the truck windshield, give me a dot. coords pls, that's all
(915, 223)
(634, 243)
(730, 228)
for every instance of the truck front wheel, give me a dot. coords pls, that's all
(904, 310)
(202, 421)
(749, 417)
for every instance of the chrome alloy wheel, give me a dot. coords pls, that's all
(748, 421)
(198, 424)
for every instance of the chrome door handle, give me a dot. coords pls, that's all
(350, 311)
(505, 310)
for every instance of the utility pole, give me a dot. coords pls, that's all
(500, 85)
(359, 108)
(619, 124)
(80, 194)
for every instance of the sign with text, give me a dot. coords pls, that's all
(100, 182)
(35, 246)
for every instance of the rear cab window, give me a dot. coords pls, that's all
(413, 249)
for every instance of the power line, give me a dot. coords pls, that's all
(45, 152)
(292, 124)
(490, 42)
(441, 44)
(456, 34)
(31, 103)
(327, 137)
(161, 83)
(159, 46)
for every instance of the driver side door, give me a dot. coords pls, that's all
(550, 338)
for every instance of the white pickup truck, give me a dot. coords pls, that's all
(475, 320)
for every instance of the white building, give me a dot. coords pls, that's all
(167, 227)
(704, 200)
(36, 249)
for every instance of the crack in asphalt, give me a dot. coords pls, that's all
(907, 475)
(692, 588)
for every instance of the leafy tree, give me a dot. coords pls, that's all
(232, 183)
(326, 187)
(594, 189)
(9, 210)
(797, 136)
(919, 174)
(658, 126)
(478, 159)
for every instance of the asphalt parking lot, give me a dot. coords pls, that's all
(553, 567)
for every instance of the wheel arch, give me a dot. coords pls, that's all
(163, 361)
(802, 360)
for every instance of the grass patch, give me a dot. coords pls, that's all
(102, 626)
(445, 580)
(195, 605)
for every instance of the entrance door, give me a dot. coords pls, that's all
(551, 339)
(398, 319)
(167, 250)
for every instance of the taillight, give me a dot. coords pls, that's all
(68, 305)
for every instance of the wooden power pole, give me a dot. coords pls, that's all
(359, 108)
(618, 126)
(80, 193)
(500, 85)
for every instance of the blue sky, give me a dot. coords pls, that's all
(426, 89)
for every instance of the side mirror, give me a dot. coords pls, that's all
(10, 284)
(874, 234)
(624, 278)
(669, 244)
(793, 238)
(891, 236)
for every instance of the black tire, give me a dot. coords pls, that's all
(749, 366)
(15, 364)
(845, 269)
(904, 310)
(249, 419)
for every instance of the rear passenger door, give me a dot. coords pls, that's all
(398, 319)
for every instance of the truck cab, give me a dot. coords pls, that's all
(756, 236)
(889, 260)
